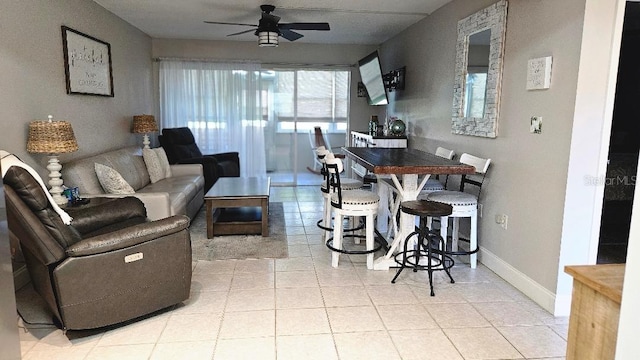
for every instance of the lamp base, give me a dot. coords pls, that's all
(55, 180)
(145, 141)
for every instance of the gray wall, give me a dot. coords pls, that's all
(528, 174)
(33, 80)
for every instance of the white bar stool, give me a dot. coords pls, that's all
(354, 203)
(465, 205)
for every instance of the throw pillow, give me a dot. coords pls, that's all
(154, 167)
(111, 180)
(164, 161)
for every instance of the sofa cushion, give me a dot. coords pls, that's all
(111, 180)
(127, 161)
(164, 161)
(181, 190)
(151, 160)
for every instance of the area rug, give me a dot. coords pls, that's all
(240, 246)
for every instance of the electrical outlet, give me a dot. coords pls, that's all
(502, 220)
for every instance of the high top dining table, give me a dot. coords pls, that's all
(408, 164)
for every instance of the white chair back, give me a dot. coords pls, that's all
(330, 159)
(481, 165)
(445, 153)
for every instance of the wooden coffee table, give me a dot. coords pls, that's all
(238, 206)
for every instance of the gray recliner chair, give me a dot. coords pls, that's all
(108, 266)
(181, 148)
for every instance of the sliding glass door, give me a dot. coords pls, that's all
(298, 101)
(266, 115)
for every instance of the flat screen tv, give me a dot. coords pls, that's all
(371, 74)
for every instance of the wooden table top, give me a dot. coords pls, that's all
(605, 279)
(239, 187)
(404, 161)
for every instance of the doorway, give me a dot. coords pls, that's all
(624, 147)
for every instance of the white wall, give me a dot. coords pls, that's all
(33, 82)
(528, 175)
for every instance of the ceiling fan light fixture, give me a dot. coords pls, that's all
(268, 39)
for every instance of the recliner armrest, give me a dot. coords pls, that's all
(227, 156)
(186, 169)
(128, 237)
(158, 204)
(228, 163)
(92, 218)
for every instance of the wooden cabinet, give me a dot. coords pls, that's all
(595, 311)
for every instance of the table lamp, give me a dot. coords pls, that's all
(53, 138)
(144, 124)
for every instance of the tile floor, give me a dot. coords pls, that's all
(301, 308)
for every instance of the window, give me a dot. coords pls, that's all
(303, 99)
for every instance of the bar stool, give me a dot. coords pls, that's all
(430, 246)
(433, 184)
(352, 203)
(465, 205)
(326, 189)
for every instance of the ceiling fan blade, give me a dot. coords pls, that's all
(227, 23)
(242, 32)
(305, 26)
(290, 35)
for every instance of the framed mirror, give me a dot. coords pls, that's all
(478, 74)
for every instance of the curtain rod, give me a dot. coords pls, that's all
(159, 59)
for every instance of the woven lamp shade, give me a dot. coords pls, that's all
(53, 137)
(143, 124)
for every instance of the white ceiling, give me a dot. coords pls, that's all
(369, 22)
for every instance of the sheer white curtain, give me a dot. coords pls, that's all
(221, 104)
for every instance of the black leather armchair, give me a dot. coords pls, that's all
(181, 148)
(108, 266)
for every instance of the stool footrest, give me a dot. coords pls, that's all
(329, 244)
(325, 228)
(462, 252)
(445, 263)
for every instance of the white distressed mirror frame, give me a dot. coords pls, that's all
(494, 18)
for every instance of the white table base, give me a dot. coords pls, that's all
(409, 190)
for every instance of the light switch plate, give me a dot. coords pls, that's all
(536, 125)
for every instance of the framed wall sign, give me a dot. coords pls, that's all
(87, 64)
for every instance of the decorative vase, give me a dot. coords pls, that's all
(398, 127)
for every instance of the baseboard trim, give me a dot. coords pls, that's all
(536, 292)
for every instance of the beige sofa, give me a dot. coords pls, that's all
(181, 194)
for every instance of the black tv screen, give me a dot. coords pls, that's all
(371, 74)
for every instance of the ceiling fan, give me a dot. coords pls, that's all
(269, 28)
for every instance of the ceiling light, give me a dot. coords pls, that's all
(268, 38)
